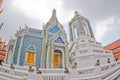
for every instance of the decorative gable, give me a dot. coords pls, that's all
(55, 29)
(59, 40)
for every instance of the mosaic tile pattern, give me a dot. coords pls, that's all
(15, 55)
(26, 42)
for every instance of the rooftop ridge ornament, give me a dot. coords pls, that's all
(53, 17)
(1, 1)
(54, 12)
(1, 10)
(1, 24)
(76, 13)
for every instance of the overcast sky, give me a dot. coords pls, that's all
(104, 16)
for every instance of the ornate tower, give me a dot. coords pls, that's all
(79, 25)
(85, 51)
(56, 44)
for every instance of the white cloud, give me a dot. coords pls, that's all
(103, 26)
(119, 21)
(37, 9)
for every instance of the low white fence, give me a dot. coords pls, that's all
(20, 73)
(97, 72)
(47, 76)
(90, 73)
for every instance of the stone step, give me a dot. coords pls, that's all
(6, 76)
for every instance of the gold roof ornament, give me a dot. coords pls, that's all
(1, 1)
(1, 10)
(53, 17)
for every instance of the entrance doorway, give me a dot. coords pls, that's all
(30, 58)
(57, 59)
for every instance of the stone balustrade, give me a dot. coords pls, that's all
(48, 76)
(107, 51)
(113, 64)
(19, 73)
(86, 71)
(105, 67)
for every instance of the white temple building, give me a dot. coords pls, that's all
(85, 51)
(85, 59)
